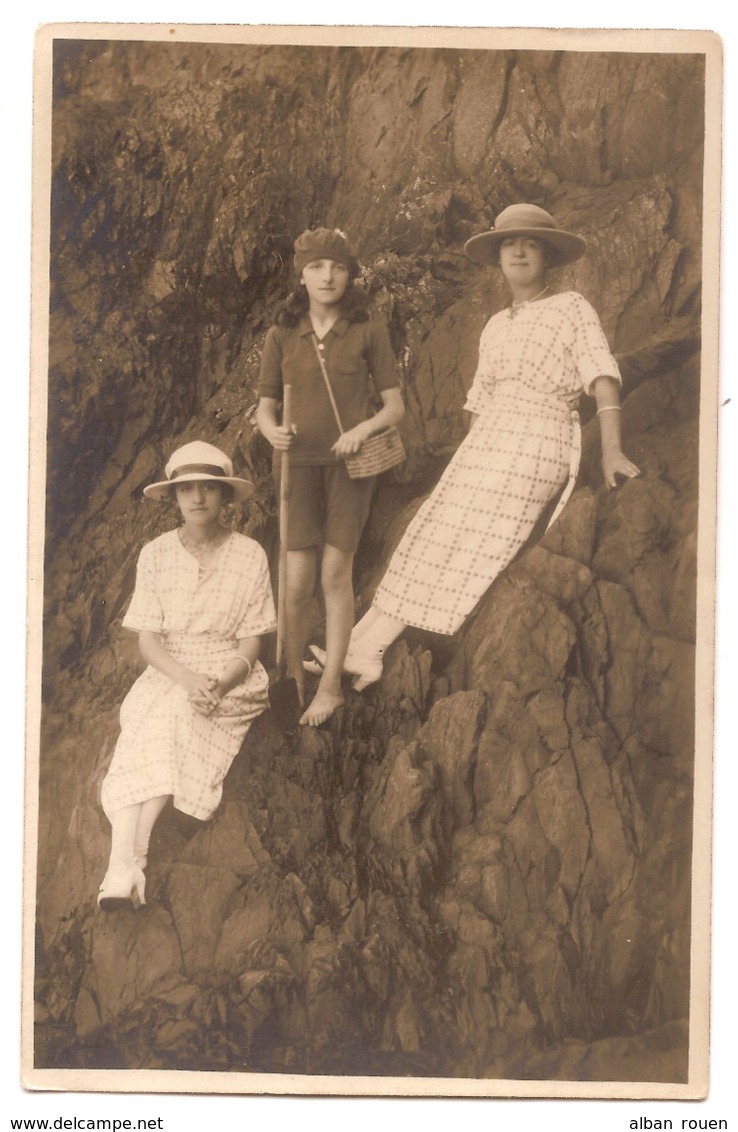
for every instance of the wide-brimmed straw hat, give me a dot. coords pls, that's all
(525, 220)
(198, 461)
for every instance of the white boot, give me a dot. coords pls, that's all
(365, 656)
(124, 884)
(122, 888)
(365, 667)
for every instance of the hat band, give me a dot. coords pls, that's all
(206, 469)
(530, 227)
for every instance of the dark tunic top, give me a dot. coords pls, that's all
(356, 355)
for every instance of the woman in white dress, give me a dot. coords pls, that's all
(202, 602)
(536, 358)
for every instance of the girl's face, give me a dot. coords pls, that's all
(200, 501)
(523, 260)
(326, 280)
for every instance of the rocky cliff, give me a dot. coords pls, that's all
(482, 869)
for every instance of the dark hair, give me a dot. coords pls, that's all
(353, 305)
(550, 252)
(227, 494)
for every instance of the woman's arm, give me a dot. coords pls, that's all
(607, 395)
(195, 683)
(391, 413)
(239, 668)
(266, 418)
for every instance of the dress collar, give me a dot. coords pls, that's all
(339, 328)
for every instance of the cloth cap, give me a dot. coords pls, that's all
(198, 461)
(526, 220)
(324, 243)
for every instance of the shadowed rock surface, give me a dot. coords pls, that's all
(482, 869)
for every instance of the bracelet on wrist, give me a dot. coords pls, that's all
(244, 660)
(610, 409)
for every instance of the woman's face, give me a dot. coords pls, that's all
(523, 260)
(199, 501)
(326, 280)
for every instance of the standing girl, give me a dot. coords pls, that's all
(327, 509)
(201, 604)
(536, 357)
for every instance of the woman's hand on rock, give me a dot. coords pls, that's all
(616, 463)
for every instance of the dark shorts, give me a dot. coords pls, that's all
(327, 506)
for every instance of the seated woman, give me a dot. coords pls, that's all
(536, 357)
(201, 604)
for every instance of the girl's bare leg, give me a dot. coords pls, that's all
(301, 578)
(336, 577)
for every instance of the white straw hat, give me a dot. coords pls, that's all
(198, 461)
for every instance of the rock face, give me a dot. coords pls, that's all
(482, 869)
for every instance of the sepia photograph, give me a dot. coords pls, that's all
(374, 403)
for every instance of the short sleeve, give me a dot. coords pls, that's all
(473, 403)
(259, 616)
(145, 613)
(591, 352)
(270, 372)
(478, 394)
(382, 364)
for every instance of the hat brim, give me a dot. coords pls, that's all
(243, 489)
(568, 246)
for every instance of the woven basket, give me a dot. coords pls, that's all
(380, 452)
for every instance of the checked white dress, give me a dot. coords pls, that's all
(165, 746)
(534, 362)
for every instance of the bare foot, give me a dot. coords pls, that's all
(321, 708)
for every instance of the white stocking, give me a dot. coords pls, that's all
(364, 623)
(149, 812)
(123, 822)
(377, 635)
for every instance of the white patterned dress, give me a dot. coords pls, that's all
(165, 746)
(534, 362)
